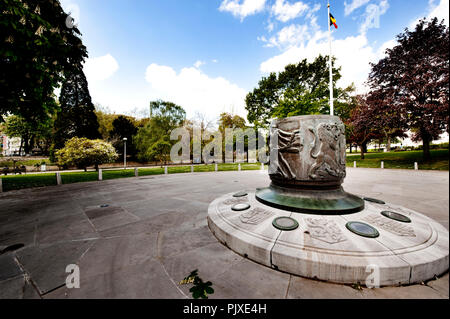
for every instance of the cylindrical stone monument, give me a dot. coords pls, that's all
(307, 167)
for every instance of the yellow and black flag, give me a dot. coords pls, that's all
(333, 21)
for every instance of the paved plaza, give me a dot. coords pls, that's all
(153, 232)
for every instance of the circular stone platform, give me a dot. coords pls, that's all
(332, 247)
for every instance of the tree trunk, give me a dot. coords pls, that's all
(351, 148)
(361, 147)
(388, 143)
(364, 147)
(426, 149)
(20, 148)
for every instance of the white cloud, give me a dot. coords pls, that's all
(285, 11)
(242, 9)
(355, 4)
(195, 91)
(373, 14)
(199, 63)
(289, 36)
(440, 10)
(215, 61)
(353, 54)
(100, 68)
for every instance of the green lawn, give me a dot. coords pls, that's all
(13, 182)
(404, 160)
(373, 160)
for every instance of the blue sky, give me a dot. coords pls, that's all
(206, 55)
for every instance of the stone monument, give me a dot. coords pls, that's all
(305, 224)
(307, 167)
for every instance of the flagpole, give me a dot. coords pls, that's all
(331, 66)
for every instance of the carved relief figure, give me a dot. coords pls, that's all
(391, 226)
(325, 230)
(285, 142)
(328, 151)
(237, 200)
(255, 216)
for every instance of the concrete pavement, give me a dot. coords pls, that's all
(154, 232)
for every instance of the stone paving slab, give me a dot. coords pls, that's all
(17, 288)
(46, 265)
(8, 266)
(145, 256)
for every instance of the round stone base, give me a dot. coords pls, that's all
(319, 202)
(370, 247)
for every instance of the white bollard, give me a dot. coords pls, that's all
(136, 172)
(382, 164)
(216, 167)
(192, 168)
(416, 166)
(100, 174)
(166, 170)
(239, 167)
(354, 164)
(58, 179)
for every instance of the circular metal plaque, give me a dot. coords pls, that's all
(396, 216)
(362, 229)
(240, 207)
(240, 194)
(285, 223)
(374, 200)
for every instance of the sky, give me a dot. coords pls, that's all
(206, 55)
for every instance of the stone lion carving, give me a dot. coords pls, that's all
(328, 151)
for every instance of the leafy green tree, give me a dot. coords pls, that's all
(123, 127)
(76, 117)
(82, 152)
(300, 89)
(152, 141)
(31, 134)
(38, 48)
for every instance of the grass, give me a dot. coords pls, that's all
(77, 177)
(402, 160)
(14, 182)
(373, 160)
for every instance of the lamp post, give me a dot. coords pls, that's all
(125, 153)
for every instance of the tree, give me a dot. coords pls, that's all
(388, 119)
(414, 79)
(123, 127)
(82, 152)
(301, 89)
(76, 117)
(151, 140)
(361, 128)
(38, 48)
(105, 118)
(31, 134)
(227, 120)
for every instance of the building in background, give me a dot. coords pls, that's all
(10, 145)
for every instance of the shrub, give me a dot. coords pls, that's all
(82, 152)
